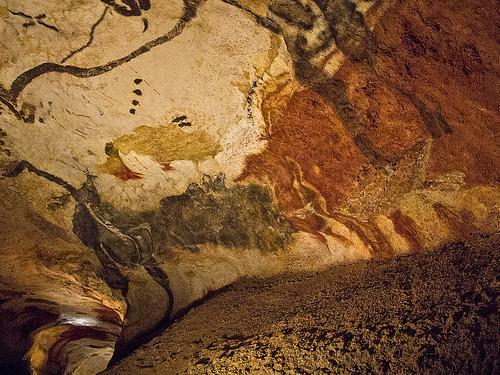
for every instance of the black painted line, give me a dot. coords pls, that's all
(52, 27)
(25, 78)
(91, 37)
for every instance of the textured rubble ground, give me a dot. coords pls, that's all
(426, 313)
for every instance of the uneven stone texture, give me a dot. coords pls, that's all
(240, 216)
(434, 312)
(152, 152)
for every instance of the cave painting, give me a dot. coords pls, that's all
(159, 151)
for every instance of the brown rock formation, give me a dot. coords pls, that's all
(420, 90)
(433, 313)
(152, 152)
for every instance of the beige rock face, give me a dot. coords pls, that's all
(154, 151)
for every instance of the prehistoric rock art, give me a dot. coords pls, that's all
(130, 8)
(164, 144)
(167, 143)
(120, 252)
(153, 152)
(9, 96)
(240, 216)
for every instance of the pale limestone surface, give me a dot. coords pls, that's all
(233, 79)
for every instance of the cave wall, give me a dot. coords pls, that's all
(155, 152)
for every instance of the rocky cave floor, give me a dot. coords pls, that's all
(426, 313)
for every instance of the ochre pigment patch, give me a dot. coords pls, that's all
(450, 76)
(407, 229)
(368, 233)
(386, 119)
(310, 157)
(459, 223)
(115, 166)
(167, 143)
(276, 96)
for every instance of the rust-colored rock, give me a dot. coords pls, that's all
(310, 156)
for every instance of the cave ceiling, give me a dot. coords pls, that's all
(154, 151)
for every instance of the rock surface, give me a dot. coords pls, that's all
(154, 151)
(435, 312)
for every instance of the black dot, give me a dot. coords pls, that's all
(137, 92)
(41, 120)
(132, 111)
(137, 81)
(135, 102)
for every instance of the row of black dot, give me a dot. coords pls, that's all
(137, 92)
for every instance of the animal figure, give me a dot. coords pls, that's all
(117, 249)
(128, 8)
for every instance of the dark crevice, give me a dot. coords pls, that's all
(117, 249)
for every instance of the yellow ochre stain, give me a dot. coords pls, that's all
(167, 143)
(163, 144)
(259, 7)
